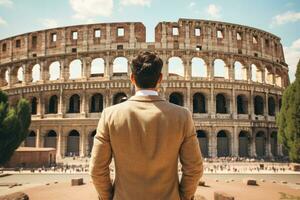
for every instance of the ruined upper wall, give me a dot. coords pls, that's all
(203, 36)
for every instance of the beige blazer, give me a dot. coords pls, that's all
(146, 135)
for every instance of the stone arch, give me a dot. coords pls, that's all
(176, 98)
(6, 76)
(91, 141)
(244, 144)
(73, 141)
(260, 144)
(222, 103)
(50, 139)
(220, 68)
(75, 69)
(36, 73)
(53, 104)
(223, 144)
(242, 104)
(199, 67)
(271, 106)
(30, 139)
(175, 66)
(74, 104)
(268, 75)
(203, 142)
(96, 103)
(258, 105)
(34, 103)
(120, 66)
(97, 67)
(273, 143)
(119, 98)
(199, 103)
(256, 73)
(240, 71)
(20, 74)
(54, 71)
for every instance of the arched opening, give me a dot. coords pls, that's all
(199, 103)
(53, 104)
(176, 98)
(271, 106)
(220, 69)
(240, 71)
(33, 106)
(273, 142)
(73, 143)
(54, 71)
(96, 103)
(30, 140)
(258, 105)
(242, 104)
(176, 67)
(74, 104)
(120, 66)
(260, 144)
(222, 144)
(119, 98)
(75, 68)
(199, 68)
(268, 76)
(97, 67)
(50, 139)
(36, 73)
(91, 141)
(221, 104)
(20, 74)
(256, 73)
(278, 80)
(6, 76)
(203, 142)
(244, 144)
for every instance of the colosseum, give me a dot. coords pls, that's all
(230, 76)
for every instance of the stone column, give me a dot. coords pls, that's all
(9, 81)
(210, 68)
(188, 97)
(233, 104)
(235, 142)
(266, 109)
(249, 72)
(83, 142)
(268, 144)
(86, 68)
(230, 68)
(41, 106)
(44, 72)
(83, 104)
(61, 106)
(212, 108)
(37, 140)
(251, 105)
(253, 146)
(26, 75)
(165, 69)
(64, 70)
(59, 144)
(188, 69)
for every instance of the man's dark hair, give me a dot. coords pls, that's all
(146, 69)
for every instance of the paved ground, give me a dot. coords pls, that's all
(264, 191)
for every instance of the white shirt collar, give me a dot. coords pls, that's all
(146, 93)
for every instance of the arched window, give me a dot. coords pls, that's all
(96, 103)
(256, 73)
(75, 69)
(220, 69)
(30, 140)
(97, 67)
(244, 144)
(73, 143)
(20, 75)
(278, 80)
(271, 106)
(119, 98)
(273, 142)
(199, 68)
(222, 144)
(54, 71)
(50, 139)
(53, 104)
(260, 144)
(258, 105)
(176, 67)
(6, 76)
(199, 103)
(36, 73)
(74, 104)
(240, 72)
(120, 66)
(33, 106)
(242, 104)
(203, 142)
(176, 98)
(221, 104)
(268, 76)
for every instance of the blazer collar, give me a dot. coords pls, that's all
(146, 98)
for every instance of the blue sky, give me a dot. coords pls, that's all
(280, 17)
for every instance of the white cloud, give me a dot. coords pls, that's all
(49, 23)
(136, 2)
(88, 9)
(292, 56)
(213, 11)
(286, 17)
(7, 3)
(2, 21)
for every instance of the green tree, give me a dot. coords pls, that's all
(288, 119)
(14, 124)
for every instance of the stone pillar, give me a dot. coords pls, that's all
(253, 146)
(38, 135)
(188, 97)
(44, 72)
(235, 142)
(251, 105)
(41, 106)
(233, 104)
(188, 70)
(249, 72)
(230, 68)
(165, 69)
(9, 81)
(86, 68)
(82, 143)
(108, 68)
(61, 105)
(212, 107)
(210, 68)
(266, 109)
(59, 144)
(26, 75)
(268, 144)
(83, 104)
(64, 70)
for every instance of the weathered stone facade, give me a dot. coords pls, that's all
(233, 116)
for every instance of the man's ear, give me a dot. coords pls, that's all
(132, 78)
(160, 78)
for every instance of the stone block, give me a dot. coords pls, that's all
(15, 196)
(201, 183)
(249, 181)
(222, 196)
(77, 181)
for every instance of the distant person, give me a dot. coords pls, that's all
(146, 135)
